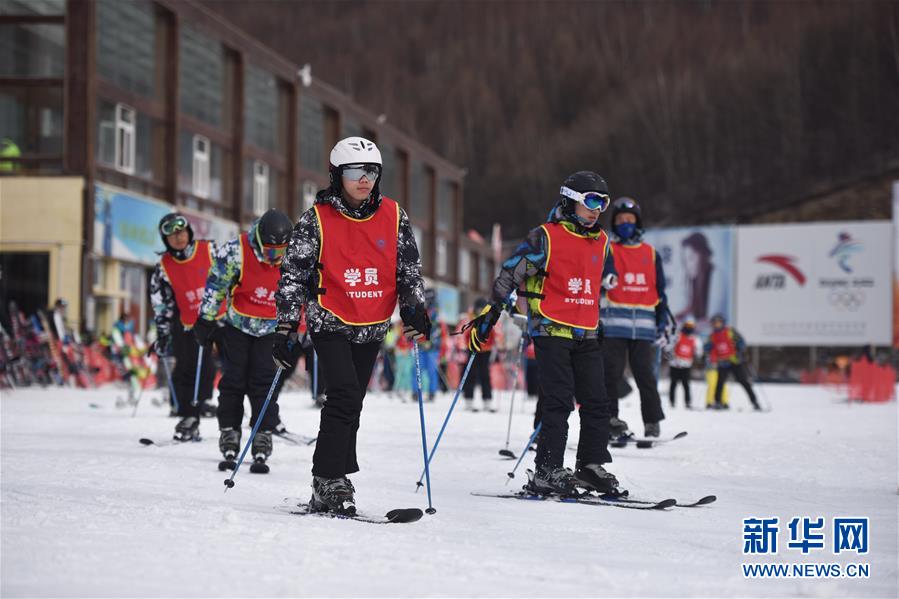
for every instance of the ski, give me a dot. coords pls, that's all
(295, 438)
(583, 500)
(624, 499)
(166, 442)
(644, 443)
(295, 507)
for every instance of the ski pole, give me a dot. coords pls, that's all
(168, 376)
(314, 375)
(449, 413)
(421, 415)
(505, 452)
(525, 451)
(140, 394)
(229, 482)
(197, 378)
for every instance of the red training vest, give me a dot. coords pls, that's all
(358, 263)
(254, 295)
(574, 266)
(188, 279)
(723, 344)
(685, 348)
(636, 266)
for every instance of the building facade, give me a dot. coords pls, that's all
(113, 113)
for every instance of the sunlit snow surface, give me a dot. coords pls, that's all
(88, 511)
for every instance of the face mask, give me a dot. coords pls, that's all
(625, 230)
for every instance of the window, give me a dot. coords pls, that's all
(124, 139)
(126, 45)
(203, 77)
(420, 201)
(446, 206)
(464, 266)
(30, 7)
(32, 118)
(32, 66)
(351, 128)
(200, 166)
(260, 187)
(312, 134)
(32, 50)
(442, 254)
(485, 273)
(261, 108)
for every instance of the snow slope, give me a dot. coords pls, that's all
(87, 511)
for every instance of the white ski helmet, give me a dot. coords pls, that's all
(355, 150)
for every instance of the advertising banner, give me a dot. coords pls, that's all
(815, 284)
(125, 225)
(698, 265)
(206, 226)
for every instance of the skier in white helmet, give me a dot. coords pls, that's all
(351, 258)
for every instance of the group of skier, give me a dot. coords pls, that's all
(333, 281)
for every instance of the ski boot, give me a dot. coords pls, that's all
(489, 407)
(554, 481)
(593, 477)
(469, 405)
(208, 409)
(652, 429)
(262, 448)
(187, 429)
(229, 445)
(334, 495)
(617, 427)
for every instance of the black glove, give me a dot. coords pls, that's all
(286, 349)
(416, 322)
(204, 331)
(162, 347)
(481, 327)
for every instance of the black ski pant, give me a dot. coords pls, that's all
(186, 351)
(479, 375)
(247, 369)
(641, 355)
(739, 372)
(570, 371)
(347, 367)
(680, 376)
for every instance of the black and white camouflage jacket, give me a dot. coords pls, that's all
(299, 277)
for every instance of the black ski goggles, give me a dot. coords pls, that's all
(174, 225)
(592, 200)
(354, 172)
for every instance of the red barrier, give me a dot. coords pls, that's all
(871, 382)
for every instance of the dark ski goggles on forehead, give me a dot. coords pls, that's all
(593, 200)
(354, 172)
(179, 223)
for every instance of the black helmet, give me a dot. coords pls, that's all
(580, 182)
(626, 204)
(273, 228)
(172, 223)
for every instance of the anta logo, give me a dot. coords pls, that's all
(778, 280)
(594, 258)
(381, 243)
(844, 249)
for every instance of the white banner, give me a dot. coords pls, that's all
(815, 284)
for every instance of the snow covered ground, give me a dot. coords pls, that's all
(87, 511)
